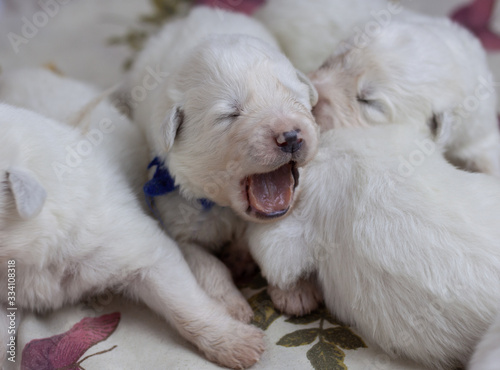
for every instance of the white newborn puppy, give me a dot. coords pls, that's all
(406, 247)
(72, 224)
(308, 31)
(487, 354)
(229, 121)
(429, 69)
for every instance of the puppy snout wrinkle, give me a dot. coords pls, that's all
(290, 141)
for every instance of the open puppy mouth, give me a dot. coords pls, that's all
(270, 195)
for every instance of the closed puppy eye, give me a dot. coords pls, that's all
(375, 104)
(229, 112)
(364, 100)
(228, 116)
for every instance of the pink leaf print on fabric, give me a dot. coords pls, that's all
(476, 17)
(64, 350)
(242, 6)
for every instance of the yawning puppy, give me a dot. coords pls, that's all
(72, 224)
(406, 246)
(229, 122)
(429, 69)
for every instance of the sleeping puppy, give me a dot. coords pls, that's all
(72, 224)
(487, 353)
(429, 69)
(229, 123)
(406, 247)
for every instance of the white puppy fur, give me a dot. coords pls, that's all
(406, 247)
(429, 69)
(72, 221)
(487, 353)
(308, 31)
(218, 115)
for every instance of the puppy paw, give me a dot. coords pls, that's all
(237, 306)
(300, 300)
(240, 348)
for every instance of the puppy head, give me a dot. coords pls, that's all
(385, 81)
(241, 126)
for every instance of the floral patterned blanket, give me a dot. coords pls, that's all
(110, 332)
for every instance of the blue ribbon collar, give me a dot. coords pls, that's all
(163, 183)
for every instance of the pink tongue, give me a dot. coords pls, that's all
(271, 192)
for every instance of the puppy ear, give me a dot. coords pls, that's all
(171, 127)
(440, 126)
(29, 194)
(313, 93)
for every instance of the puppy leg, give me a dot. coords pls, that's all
(300, 299)
(281, 251)
(284, 258)
(215, 278)
(169, 288)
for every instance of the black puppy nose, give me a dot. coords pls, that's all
(289, 141)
